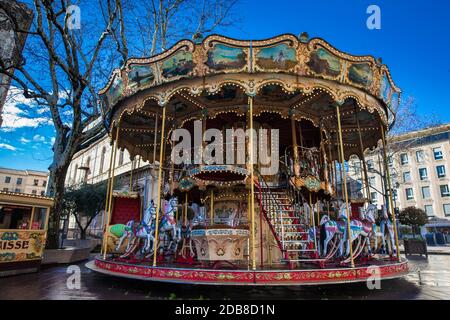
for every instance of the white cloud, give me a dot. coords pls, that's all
(38, 138)
(7, 147)
(24, 140)
(15, 117)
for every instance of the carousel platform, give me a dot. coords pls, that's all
(273, 277)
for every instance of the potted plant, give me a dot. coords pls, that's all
(415, 218)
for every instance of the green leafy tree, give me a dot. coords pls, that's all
(85, 203)
(414, 217)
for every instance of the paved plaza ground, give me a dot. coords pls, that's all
(428, 280)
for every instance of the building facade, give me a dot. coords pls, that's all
(23, 181)
(419, 163)
(91, 166)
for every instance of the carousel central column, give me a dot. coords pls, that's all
(341, 145)
(252, 182)
(391, 200)
(158, 203)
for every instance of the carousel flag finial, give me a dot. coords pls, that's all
(303, 37)
(197, 38)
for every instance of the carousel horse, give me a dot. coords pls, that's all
(329, 229)
(123, 231)
(169, 227)
(135, 231)
(356, 231)
(370, 228)
(387, 230)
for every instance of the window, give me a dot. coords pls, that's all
(36, 182)
(444, 190)
(14, 217)
(39, 219)
(404, 159)
(44, 183)
(369, 164)
(440, 170)
(420, 156)
(102, 159)
(423, 174)
(19, 181)
(409, 194)
(394, 194)
(42, 193)
(34, 192)
(406, 176)
(7, 179)
(17, 190)
(437, 152)
(426, 192)
(373, 197)
(5, 189)
(447, 209)
(390, 161)
(121, 157)
(429, 210)
(372, 181)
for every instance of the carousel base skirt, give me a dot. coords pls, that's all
(377, 269)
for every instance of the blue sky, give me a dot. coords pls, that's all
(414, 41)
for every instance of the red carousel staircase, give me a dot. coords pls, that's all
(287, 221)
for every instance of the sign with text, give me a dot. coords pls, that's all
(21, 245)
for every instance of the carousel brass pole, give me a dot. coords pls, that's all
(295, 146)
(361, 146)
(341, 144)
(111, 188)
(154, 155)
(107, 190)
(131, 175)
(211, 209)
(185, 209)
(158, 203)
(252, 183)
(391, 200)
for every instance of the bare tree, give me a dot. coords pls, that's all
(62, 68)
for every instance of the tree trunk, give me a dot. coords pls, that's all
(56, 184)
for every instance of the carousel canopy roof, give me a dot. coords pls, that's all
(290, 76)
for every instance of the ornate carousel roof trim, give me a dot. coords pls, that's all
(219, 55)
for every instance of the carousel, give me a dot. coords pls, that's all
(249, 143)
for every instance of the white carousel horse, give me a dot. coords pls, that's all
(330, 228)
(370, 228)
(356, 230)
(169, 226)
(387, 230)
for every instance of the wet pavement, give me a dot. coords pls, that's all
(428, 280)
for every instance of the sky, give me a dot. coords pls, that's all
(414, 41)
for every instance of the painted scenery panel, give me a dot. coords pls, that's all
(180, 64)
(360, 73)
(140, 76)
(385, 88)
(277, 57)
(323, 62)
(223, 57)
(115, 91)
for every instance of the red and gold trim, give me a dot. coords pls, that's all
(387, 270)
